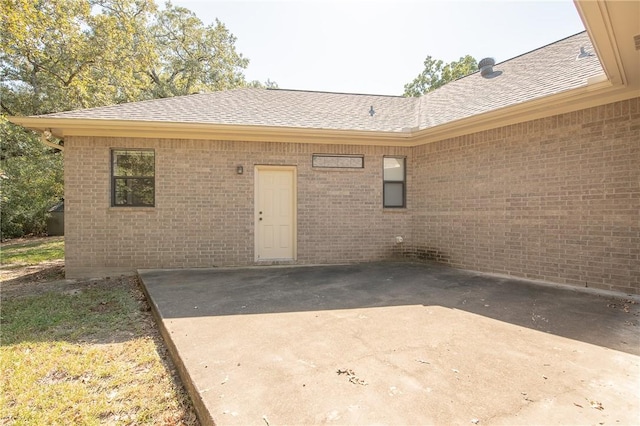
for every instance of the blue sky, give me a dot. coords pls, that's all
(376, 47)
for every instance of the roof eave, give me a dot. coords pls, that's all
(612, 26)
(64, 127)
(600, 91)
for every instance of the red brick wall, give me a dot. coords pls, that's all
(555, 199)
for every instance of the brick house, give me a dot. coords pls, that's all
(529, 168)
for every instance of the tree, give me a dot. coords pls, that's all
(60, 55)
(193, 57)
(436, 74)
(30, 183)
(269, 84)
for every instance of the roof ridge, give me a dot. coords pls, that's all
(333, 93)
(515, 57)
(542, 47)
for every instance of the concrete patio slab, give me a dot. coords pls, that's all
(396, 343)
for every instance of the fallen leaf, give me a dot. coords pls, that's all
(352, 377)
(356, 381)
(597, 405)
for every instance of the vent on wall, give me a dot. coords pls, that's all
(636, 39)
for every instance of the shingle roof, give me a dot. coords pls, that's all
(288, 108)
(545, 71)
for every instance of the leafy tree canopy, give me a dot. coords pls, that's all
(60, 55)
(192, 57)
(69, 54)
(436, 74)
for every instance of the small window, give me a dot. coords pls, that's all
(132, 178)
(394, 184)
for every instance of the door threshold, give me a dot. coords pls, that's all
(267, 262)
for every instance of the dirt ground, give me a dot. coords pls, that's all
(25, 280)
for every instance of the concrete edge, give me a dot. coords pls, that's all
(236, 268)
(566, 287)
(203, 415)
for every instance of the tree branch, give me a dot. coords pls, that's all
(6, 108)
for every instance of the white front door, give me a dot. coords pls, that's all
(275, 213)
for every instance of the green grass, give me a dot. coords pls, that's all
(55, 316)
(86, 357)
(32, 252)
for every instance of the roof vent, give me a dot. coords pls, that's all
(486, 68)
(583, 53)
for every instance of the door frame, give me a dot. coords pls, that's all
(294, 205)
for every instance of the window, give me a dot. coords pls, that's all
(132, 178)
(394, 182)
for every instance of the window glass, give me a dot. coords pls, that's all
(394, 182)
(133, 182)
(394, 194)
(393, 169)
(136, 192)
(133, 163)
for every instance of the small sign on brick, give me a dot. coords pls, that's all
(338, 161)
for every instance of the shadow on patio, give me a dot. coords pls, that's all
(597, 319)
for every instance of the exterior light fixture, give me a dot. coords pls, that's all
(239, 170)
